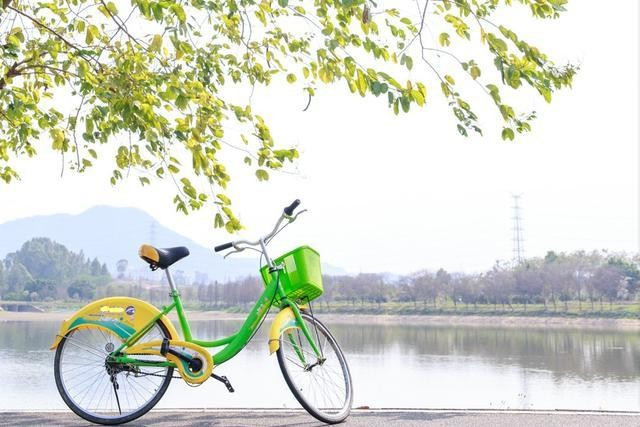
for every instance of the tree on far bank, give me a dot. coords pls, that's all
(96, 267)
(42, 269)
(629, 269)
(40, 289)
(2, 282)
(610, 283)
(82, 289)
(17, 277)
(121, 267)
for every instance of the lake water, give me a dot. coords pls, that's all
(393, 366)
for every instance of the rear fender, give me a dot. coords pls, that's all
(122, 316)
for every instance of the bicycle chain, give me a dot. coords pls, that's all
(146, 374)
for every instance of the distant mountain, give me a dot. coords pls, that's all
(111, 234)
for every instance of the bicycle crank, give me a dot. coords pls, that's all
(194, 363)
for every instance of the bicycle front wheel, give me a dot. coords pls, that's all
(322, 385)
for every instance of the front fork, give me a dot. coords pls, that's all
(302, 326)
(305, 330)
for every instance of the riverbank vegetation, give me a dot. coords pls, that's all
(44, 270)
(578, 284)
(593, 284)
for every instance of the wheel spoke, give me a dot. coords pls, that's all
(78, 344)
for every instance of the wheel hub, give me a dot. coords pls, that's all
(112, 369)
(319, 362)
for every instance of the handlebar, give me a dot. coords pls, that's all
(286, 214)
(223, 247)
(292, 207)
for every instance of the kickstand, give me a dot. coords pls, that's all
(224, 381)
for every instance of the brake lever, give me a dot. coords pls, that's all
(293, 218)
(237, 250)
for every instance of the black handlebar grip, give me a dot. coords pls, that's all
(223, 247)
(292, 207)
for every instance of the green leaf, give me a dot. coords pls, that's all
(182, 102)
(156, 43)
(546, 93)
(57, 137)
(112, 8)
(405, 104)
(224, 199)
(445, 89)
(408, 62)
(507, 133)
(218, 221)
(179, 12)
(291, 78)
(444, 39)
(262, 175)
(362, 83)
(418, 97)
(91, 34)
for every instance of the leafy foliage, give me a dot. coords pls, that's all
(155, 80)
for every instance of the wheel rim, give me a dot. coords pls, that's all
(85, 377)
(324, 386)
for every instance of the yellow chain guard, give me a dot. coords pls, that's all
(193, 350)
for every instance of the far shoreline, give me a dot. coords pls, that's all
(534, 322)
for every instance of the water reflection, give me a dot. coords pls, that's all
(583, 354)
(392, 366)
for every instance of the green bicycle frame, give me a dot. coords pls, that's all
(234, 343)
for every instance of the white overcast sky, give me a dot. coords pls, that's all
(398, 194)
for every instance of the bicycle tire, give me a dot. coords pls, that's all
(326, 415)
(95, 418)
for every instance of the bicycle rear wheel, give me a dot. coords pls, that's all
(322, 385)
(102, 392)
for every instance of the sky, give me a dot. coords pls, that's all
(402, 193)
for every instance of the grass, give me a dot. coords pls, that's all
(617, 310)
(571, 309)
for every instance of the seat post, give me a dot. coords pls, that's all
(184, 324)
(170, 279)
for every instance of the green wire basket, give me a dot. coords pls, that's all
(302, 276)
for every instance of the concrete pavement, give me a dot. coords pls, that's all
(369, 418)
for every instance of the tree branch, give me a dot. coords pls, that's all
(484, 89)
(419, 33)
(51, 30)
(12, 72)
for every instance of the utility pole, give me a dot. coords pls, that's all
(518, 245)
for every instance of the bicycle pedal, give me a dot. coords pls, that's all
(224, 381)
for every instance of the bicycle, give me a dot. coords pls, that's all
(116, 356)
